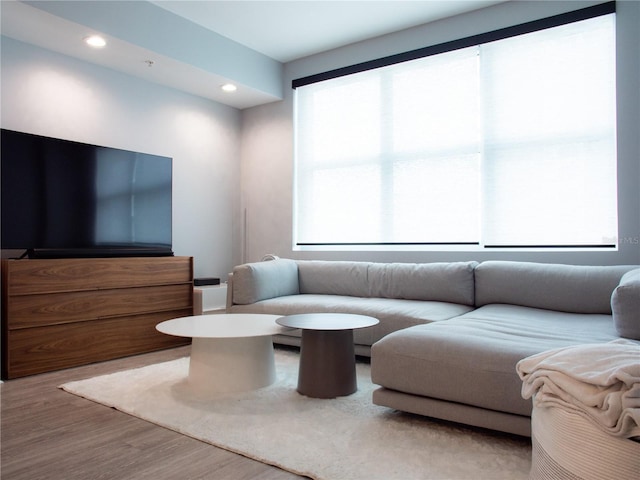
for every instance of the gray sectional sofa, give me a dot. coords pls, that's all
(450, 334)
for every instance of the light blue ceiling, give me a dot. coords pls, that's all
(158, 30)
(197, 46)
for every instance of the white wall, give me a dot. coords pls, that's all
(267, 139)
(49, 94)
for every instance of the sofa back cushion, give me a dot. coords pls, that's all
(625, 304)
(442, 282)
(566, 288)
(253, 282)
(333, 277)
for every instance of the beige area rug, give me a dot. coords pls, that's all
(344, 438)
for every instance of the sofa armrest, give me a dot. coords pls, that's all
(257, 281)
(625, 305)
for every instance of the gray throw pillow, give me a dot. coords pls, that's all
(625, 305)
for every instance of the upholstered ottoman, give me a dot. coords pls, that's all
(568, 446)
(585, 422)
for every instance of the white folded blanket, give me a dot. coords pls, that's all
(598, 381)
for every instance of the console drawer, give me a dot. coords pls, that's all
(27, 277)
(42, 349)
(36, 310)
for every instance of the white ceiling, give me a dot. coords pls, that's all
(288, 30)
(262, 34)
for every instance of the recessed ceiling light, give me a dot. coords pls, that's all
(95, 41)
(229, 87)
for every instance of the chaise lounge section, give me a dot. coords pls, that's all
(464, 369)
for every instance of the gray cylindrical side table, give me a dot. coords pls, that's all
(327, 358)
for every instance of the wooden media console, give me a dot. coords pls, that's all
(60, 313)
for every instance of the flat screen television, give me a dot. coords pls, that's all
(64, 199)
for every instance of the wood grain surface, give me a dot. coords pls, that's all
(49, 434)
(60, 313)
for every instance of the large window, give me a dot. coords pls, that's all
(509, 143)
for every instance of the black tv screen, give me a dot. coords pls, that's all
(68, 199)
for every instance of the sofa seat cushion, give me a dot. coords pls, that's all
(392, 313)
(472, 359)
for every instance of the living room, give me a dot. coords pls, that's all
(233, 165)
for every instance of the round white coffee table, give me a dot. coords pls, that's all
(229, 352)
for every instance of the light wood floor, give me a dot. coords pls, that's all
(49, 434)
